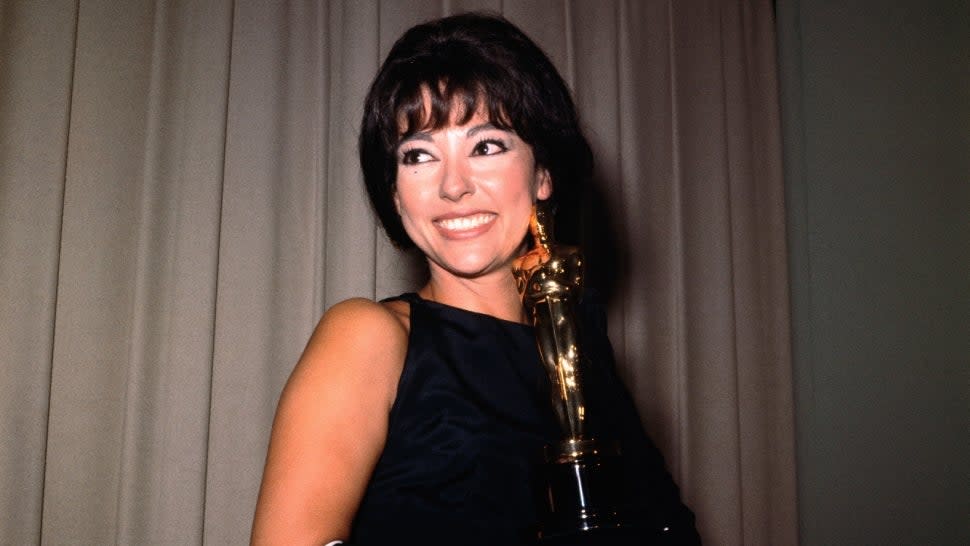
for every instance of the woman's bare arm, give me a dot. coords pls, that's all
(330, 426)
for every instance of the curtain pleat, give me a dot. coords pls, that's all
(95, 296)
(180, 200)
(271, 215)
(168, 377)
(36, 71)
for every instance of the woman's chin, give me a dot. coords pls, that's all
(469, 267)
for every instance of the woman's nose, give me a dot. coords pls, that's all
(455, 183)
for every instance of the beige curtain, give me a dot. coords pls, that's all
(180, 201)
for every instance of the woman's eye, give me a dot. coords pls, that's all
(489, 147)
(415, 156)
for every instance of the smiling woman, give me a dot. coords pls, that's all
(421, 419)
(179, 205)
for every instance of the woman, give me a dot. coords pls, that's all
(420, 419)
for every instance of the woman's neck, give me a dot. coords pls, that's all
(494, 294)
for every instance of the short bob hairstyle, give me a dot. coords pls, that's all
(480, 62)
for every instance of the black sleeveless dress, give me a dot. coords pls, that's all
(467, 430)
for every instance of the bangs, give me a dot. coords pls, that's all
(451, 97)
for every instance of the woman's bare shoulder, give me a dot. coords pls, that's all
(365, 310)
(359, 332)
(341, 390)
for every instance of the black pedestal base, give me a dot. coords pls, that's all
(584, 497)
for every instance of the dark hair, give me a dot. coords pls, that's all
(479, 61)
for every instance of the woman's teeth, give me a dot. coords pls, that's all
(466, 222)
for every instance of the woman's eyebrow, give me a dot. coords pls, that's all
(488, 125)
(419, 135)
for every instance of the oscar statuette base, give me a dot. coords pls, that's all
(584, 492)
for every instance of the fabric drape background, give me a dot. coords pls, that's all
(180, 201)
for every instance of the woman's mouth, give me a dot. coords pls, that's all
(471, 223)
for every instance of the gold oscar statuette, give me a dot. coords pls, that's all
(582, 476)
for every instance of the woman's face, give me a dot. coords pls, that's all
(465, 194)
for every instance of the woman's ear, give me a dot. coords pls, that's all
(543, 184)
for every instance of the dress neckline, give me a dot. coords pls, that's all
(414, 297)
